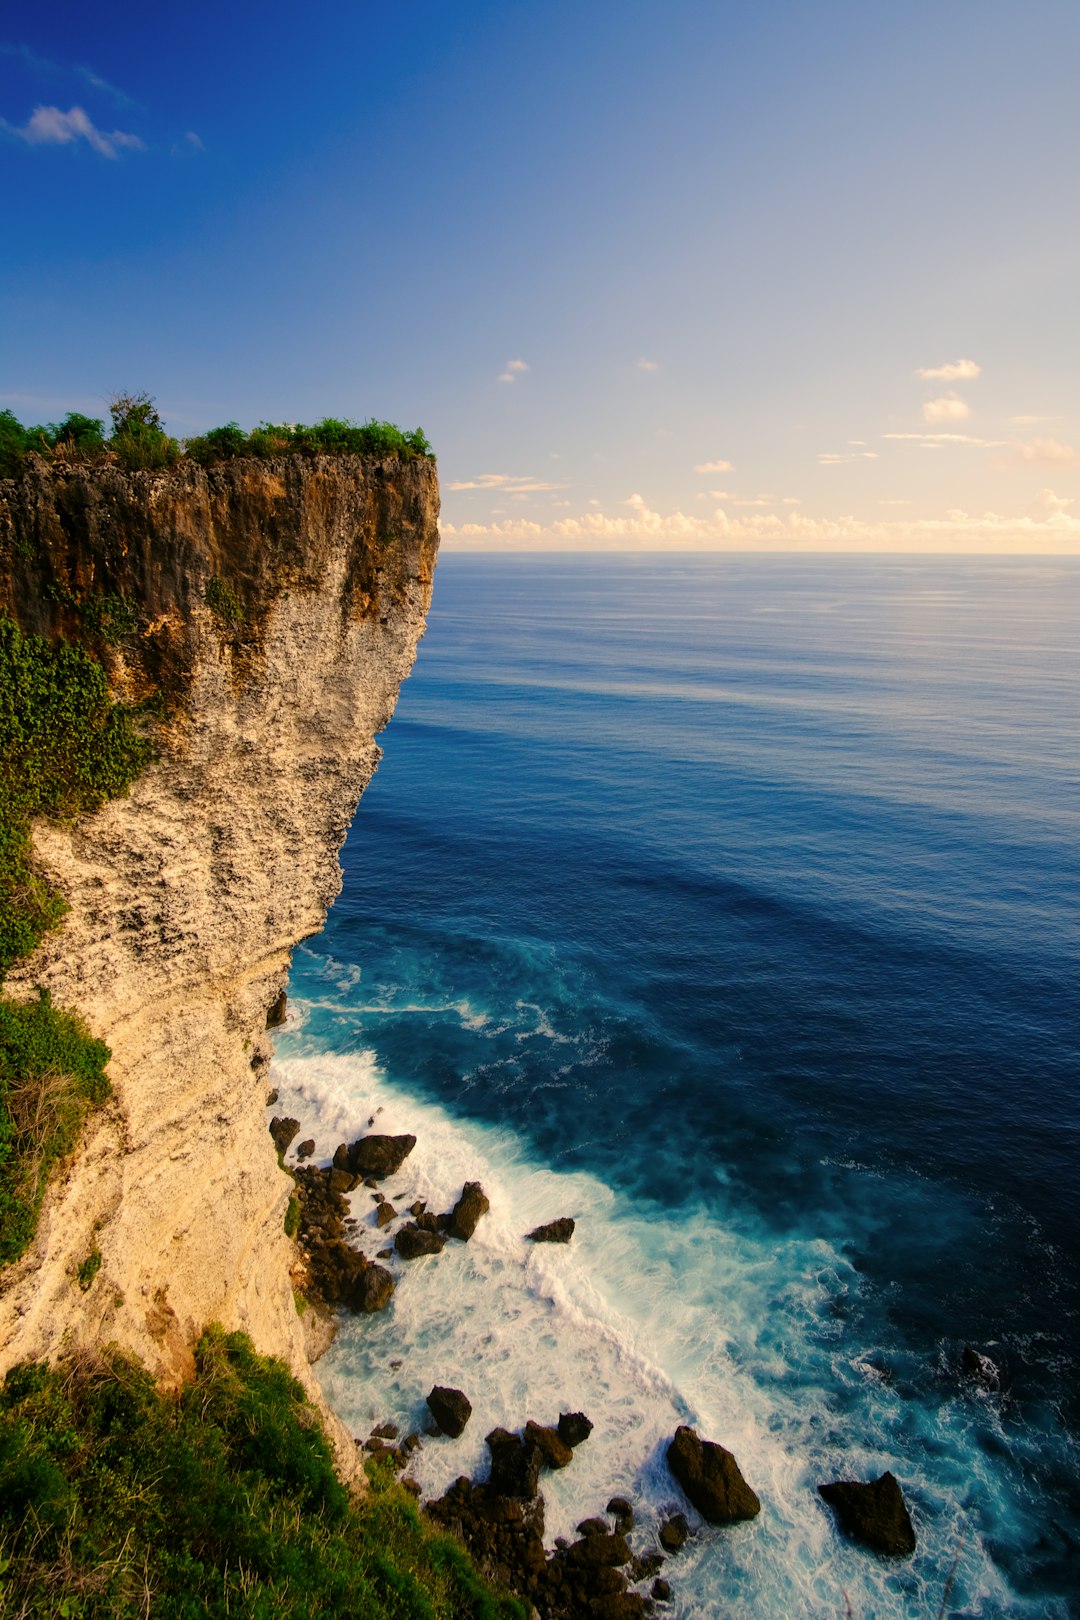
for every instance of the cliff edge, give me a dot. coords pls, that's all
(274, 607)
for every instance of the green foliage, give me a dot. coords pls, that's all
(225, 601)
(139, 439)
(64, 748)
(292, 1216)
(89, 1269)
(222, 1501)
(52, 1071)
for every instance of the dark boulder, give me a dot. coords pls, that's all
(515, 1464)
(593, 1527)
(340, 1181)
(711, 1478)
(384, 1214)
(379, 1156)
(560, 1231)
(275, 1013)
(554, 1452)
(283, 1131)
(873, 1513)
(574, 1427)
(661, 1590)
(412, 1242)
(428, 1222)
(463, 1218)
(450, 1409)
(674, 1533)
(372, 1290)
(306, 1148)
(605, 1549)
(622, 1513)
(642, 1565)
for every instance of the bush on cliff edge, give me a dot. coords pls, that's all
(119, 1501)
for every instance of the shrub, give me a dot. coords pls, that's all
(65, 747)
(51, 1073)
(225, 602)
(223, 1500)
(139, 440)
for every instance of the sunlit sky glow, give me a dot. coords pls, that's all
(795, 275)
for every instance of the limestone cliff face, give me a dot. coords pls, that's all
(187, 898)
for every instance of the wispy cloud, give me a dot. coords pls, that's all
(756, 500)
(951, 371)
(949, 408)
(1028, 421)
(1048, 452)
(514, 368)
(45, 67)
(714, 466)
(837, 458)
(648, 365)
(50, 126)
(509, 483)
(932, 440)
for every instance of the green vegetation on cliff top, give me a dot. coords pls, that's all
(138, 440)
(120, 1501)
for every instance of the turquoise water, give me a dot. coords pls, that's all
(732, 906)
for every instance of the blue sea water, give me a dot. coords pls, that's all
(732, 906)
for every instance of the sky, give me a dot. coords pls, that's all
(781, 274)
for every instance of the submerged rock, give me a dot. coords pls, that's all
(875, 1513)
(560, 1231)
(463, 1218)
(711, 1478)
(450, 1409)
(979, 1369)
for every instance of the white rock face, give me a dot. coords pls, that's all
(186, 900)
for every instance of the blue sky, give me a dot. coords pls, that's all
(647, 274)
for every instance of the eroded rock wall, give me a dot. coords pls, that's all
(187, 898)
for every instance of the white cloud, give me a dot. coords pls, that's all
(514, 369)
(792, 500)
(714, 466)
(511, 483)
(717, 495)
(836, 458)
(648, 365)
(1054, 530)
(1051, 502)
(949, 408)
(931, 441)
(951, 371)
(49, 126)
(1047, 451)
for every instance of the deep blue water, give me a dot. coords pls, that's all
(732, 905)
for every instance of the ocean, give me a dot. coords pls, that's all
(731, 905)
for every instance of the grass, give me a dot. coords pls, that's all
(65, 748)
(120, 1501)
(138, 439)
(52, 1072)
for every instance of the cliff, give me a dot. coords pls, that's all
(276, 607)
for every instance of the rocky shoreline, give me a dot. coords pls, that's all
(614, 1566)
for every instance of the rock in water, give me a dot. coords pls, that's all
(450, 1409)
(875, 1514)
(412, 1241)
(574, 1427)
(306, 1149)
(711, 1478)
(674, 1533)
(555, 1452)
(283, 1131)
(467, 1211)
(372, 1290)
(515, 1464)
(560, 1231)
(379, 1155)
